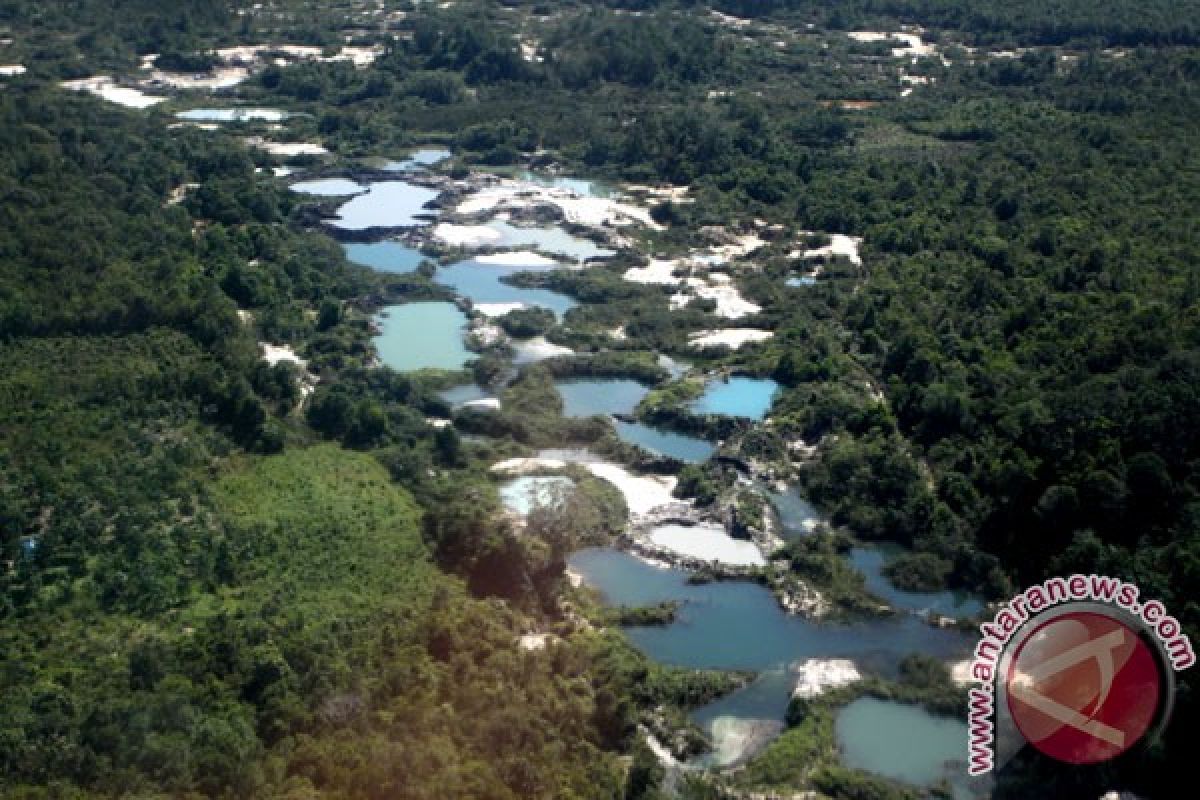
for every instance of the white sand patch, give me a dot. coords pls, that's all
(529, 52)
(815, 675)
(906, 92)
(643, 493)
(524, 466)
(658, 271)
(487, 334)
(466, 235)
(105, 87)
(283, 172)
(743, 245)
(492, 310)
(217, 78)
(676, 194)
(735, 739)
(960, 673)
(913, 46)
(538, 349)
(593, 212)
(483, 404)
(522, 258)
(839, 245)
(11, 70)
(534, 641)
(618, 333)
(731, 21)
(573, 578)
(733, 338)
(287, 149)
(436, 422)
(273, 354)
(180, 193)
(708, 542)
(659, 750)
(730, 303)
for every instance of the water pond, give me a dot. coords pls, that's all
(737, 397)
(548, 239)
(389, 204)
(483, 283)
(583, 398)
(418, 160)
(422, 335)
(688, 449)
(384, 256)
(904, 742)
(870, 561)
(328, 187)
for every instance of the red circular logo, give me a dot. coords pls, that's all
(1083, 687)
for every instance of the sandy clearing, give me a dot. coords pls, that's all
(287, 149)
(520, 258)
(815, 675)
(492, 310)
(105, 87)
(734, 338)
(524, 466)
(643, 493)
(466, 235)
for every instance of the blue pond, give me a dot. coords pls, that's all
(418, 159)
(795, 514)
(384, 256)
(803, 280)
(583, 398)
(737, 397)
(688, 449)
(870, 562)
(422, 335)
(550, 240)
(482, 284)
(389, 204)
(328, 187)
(739, 625)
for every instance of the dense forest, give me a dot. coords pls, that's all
(174, 624)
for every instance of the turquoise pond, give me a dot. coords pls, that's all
(422, 335)
(388, 204)
(739, 625)
(418, 159)
(905, 743)
(583, 398)
(233, 115)
(483, 283)
(522, 494)
(688, 449)
(547, 239)
(328, 187)
(737, 397)
(384, 256)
